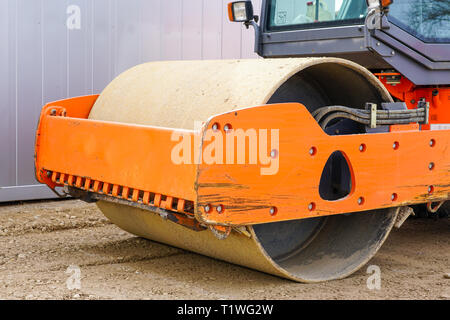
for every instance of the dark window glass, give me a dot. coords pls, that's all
(428, 20)
(304, 14)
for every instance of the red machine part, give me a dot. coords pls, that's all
(403, 89)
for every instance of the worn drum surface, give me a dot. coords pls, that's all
(177, 94)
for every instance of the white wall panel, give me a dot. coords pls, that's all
(7, 95)
(42, 60)
(79, 51)
(231, 35)
(171, 29)
(54, 50)
(151, 30)
(29, 84)
(192, 37)
(101, 44)
(212, 29)
(128, 34)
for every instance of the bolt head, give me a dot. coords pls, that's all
(215, 127)
(219, 208)
(207, 208)
(272, 211)
(273, 153)
(53, 112)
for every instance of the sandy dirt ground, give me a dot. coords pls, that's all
(41, 241)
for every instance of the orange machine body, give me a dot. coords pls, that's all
(279, 182)
(403, 89)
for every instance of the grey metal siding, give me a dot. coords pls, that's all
(42, 60)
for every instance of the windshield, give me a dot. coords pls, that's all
(286, 14)
(428, 20)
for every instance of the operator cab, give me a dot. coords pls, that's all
(429, 20)
(412, 37)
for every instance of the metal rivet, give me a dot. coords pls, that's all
(430, 189)
(394, 197)
(362, 147)
(215, 126)
(431, 166)
(312, 206)
(313, 151)
(49, 174)
(53, 112)
(227, 127)
(396, 145)
(273, 211)
(219, 208)
(360, 200)
(207, 208)
(274, 153)
(432, 143)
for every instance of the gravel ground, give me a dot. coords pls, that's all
(45, 244)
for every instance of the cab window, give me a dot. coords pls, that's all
(428, 20)
(303, 14)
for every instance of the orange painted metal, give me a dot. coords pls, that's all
(386, 3)
(388, 170)
(406, 91)
(119, 160)
(230, 12)
(78, 107)
(134, 163)
(123, 155)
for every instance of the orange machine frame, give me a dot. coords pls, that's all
(133, 163)
(403, 89)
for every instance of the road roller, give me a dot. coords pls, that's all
(297, 165)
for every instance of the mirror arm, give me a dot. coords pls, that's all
(257, 29)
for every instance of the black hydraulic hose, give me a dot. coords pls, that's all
(344, 115)
(321, 111)
(400, 121)
(365, 114)
(342, 108)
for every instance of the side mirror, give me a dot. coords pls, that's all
(240, 11)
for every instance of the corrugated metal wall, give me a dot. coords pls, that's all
(48, 52)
